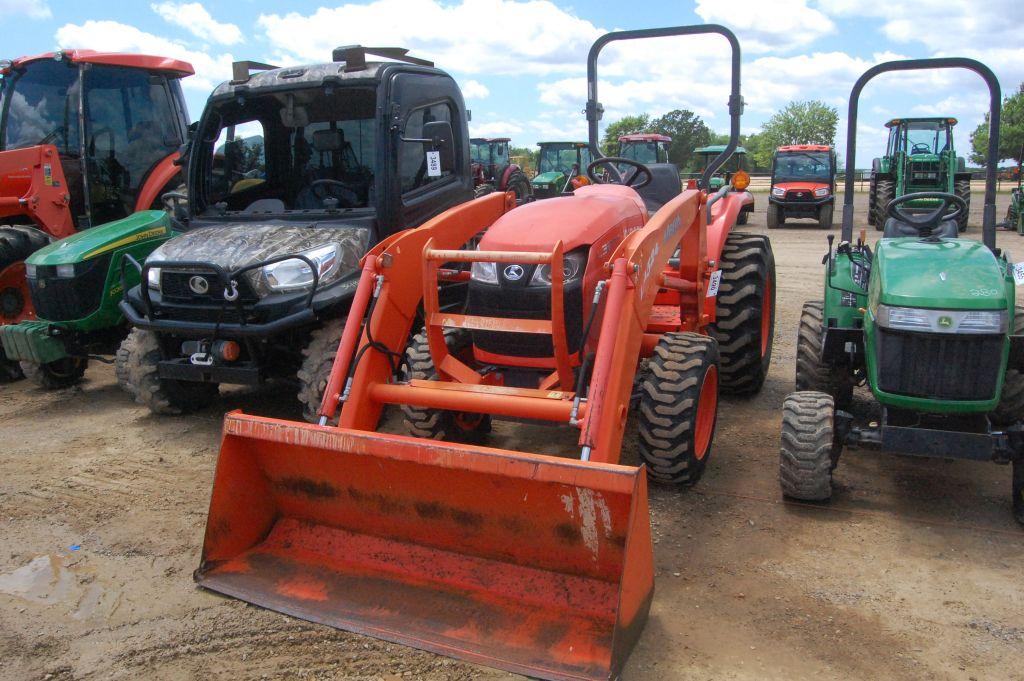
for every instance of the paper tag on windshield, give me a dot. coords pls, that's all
(716, 278)
(433, 164)
(1018, 273)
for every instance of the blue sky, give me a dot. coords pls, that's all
(522, 64)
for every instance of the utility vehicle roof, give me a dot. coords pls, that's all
(578, 144)
(645, 137)
(174, 68)
(717, 149)
(920, 119)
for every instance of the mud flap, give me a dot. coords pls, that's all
(530, 563)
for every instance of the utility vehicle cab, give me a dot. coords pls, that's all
(645, 147)
(803, 184)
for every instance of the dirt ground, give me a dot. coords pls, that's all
(915, 571)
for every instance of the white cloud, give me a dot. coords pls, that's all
(469, 36)
(494, 129)
(473, 89)
(777, 26)
(194, 18)
(113, 36)
(33, 9)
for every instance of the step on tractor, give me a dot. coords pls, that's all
(926, 320)
(530, 562)
(86, 138)
(493, 169)
(723, 175)
(1015, 210)
(561, 167)
(292, 177)
(919, 157)
(803, 184)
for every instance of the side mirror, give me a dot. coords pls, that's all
(438, 136)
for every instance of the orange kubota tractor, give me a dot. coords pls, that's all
(534, 563)
(85, 138)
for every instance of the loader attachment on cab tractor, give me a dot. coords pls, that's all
(926, 319)
(87, 138)
(530, 562)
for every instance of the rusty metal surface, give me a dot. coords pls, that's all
(525, 562)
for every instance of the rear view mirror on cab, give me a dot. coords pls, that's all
(438, 137)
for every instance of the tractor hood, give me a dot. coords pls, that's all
(548, 177)
(958, 274)
(238, 245)
(91, 243)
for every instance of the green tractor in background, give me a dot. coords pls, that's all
(919, 157)
(1015, 211)
(926, 320)
(76, 284)
(561, 167)
(720, 179)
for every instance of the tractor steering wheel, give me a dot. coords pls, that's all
(950, 207)
(921, 148)
(326, 182)
(612, 161)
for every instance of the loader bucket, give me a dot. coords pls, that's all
(530, 563)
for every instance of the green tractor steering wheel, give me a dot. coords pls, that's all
(950, 207)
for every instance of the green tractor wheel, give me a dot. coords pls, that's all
(962, 188)
(811, 372)
(808, 452)
(63, 373)
(1011, 402)
(885, 191)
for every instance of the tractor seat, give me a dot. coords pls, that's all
(894, 228)
(665, 185)
(265, 206)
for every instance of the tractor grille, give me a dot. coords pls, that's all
(523, 303)
(939, 366)
(211, 315)
(926, 174)
(798, 195)
(174, 286)
(65, 299)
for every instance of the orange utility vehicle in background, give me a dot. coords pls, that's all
(803, 184)
(537, 563)
(87, 138)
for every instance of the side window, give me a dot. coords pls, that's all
(239, 161)
(412, 160)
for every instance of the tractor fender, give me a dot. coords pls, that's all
(962, 177)
(723, 218)
(512, 168)
(876, 166)
(162, 173)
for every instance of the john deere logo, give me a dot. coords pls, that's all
(945, 322)
(199, 285)
(514, 272)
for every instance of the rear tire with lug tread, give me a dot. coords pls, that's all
(17, 242)
(807, 453)
(745, 313)
(482, 190)
(962, 188)
(161, 395)
(62, 373)
(520, 185)
(772, 218)
(439, 424)
(885, 191)
(317, 360)
(811, 372)
(679, 408)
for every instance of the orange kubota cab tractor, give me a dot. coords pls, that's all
(531, 562)
(85, 138)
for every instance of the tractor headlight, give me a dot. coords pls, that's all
(572, 268)
(821, 191)
(484, 272)
(778, 191)
(153, 278)
(66, 271)
(30, 270)
(942, 321)
(295, 274)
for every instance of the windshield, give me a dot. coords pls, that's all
(796, 166)
(479, 152)
(641, 152)
(927, 137)
(299, 150)
(41, 107)
(562, 157)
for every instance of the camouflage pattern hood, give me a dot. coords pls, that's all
(234, 246)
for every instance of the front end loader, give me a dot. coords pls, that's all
(926, 319)
(531, 562)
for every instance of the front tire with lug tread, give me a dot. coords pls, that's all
(772, 218)
(1011, 401)
(745, 313)
(17, 242)
(317, 360)
(825, 216)
(811, 372)
(161, 395)
(63, 373)
(679, 408)
(808, 452)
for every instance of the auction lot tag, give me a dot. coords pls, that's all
(716, 278)
(1018, 273)
(433, 164)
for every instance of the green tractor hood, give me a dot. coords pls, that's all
(956, 274)
(549, 177)
(142, 226)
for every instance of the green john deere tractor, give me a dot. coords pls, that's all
(926, 320)
(561, 166)
(919, 157)
(1015, 211)
(707, 155)
(76, 284)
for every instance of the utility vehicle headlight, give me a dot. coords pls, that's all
(66, 271)
(572, 268)
(484, 272)
(942, 321)
(294, 274)
(153, 278)
(821, 191)
(778, 191)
